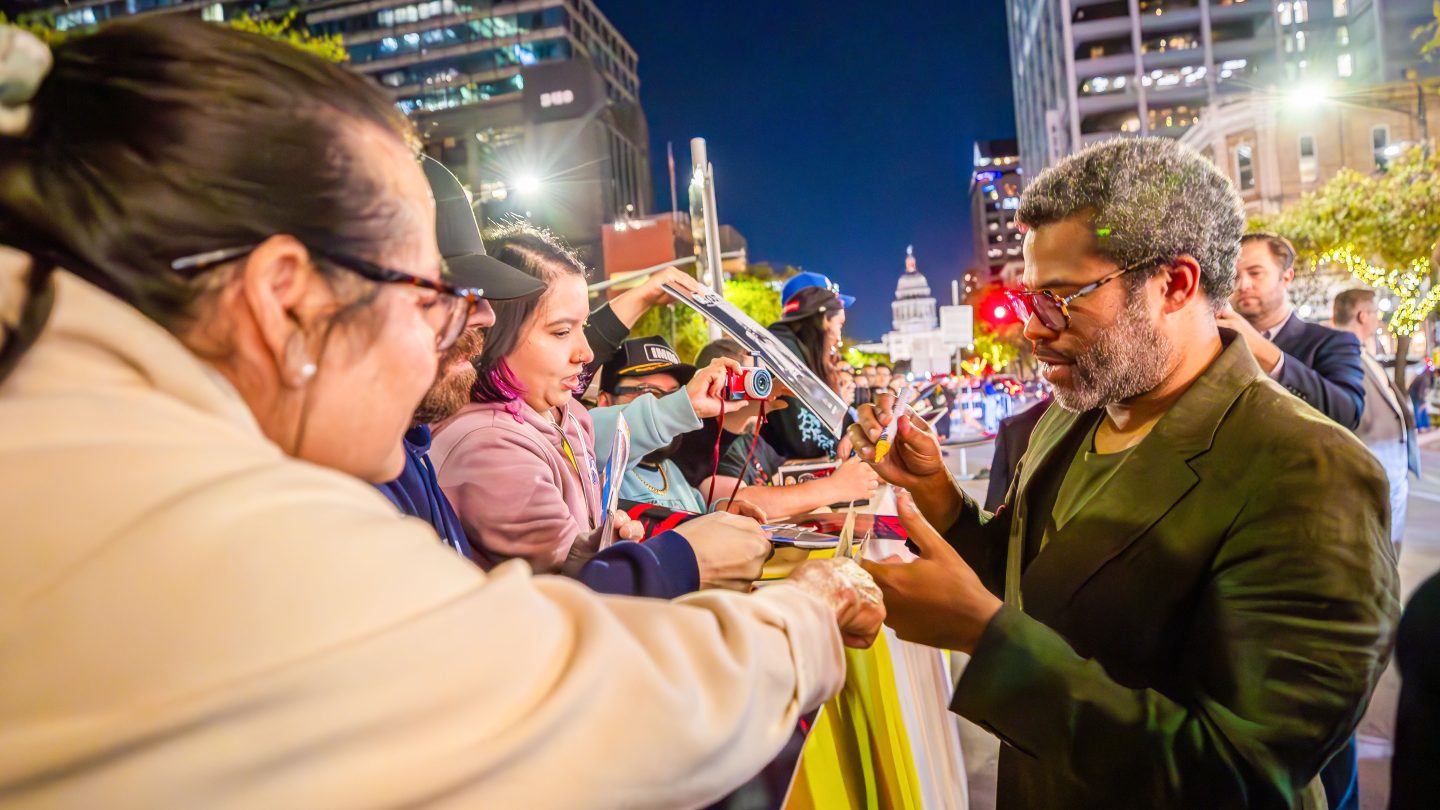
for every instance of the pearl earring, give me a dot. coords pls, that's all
(307, 371)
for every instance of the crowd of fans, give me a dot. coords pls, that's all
(245, 304)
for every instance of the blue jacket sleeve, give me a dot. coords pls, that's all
(1335, 386)
(663, 567)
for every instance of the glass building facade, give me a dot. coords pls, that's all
(458, 68)
(1088, 70)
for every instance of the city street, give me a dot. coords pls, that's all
(1419, 559)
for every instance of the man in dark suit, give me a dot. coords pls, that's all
(1189, 592)
(1319, 365)
(1011, 441)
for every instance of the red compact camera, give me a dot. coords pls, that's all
(748, 384)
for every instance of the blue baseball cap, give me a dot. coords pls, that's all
(804, 281)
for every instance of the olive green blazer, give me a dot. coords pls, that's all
(1207, 631)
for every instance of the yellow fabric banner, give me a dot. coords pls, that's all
(858, 754)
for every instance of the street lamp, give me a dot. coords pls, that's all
(527, 184)
(1308, 95)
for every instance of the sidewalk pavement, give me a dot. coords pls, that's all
(1419, 559)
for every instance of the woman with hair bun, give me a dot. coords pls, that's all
(222, 300)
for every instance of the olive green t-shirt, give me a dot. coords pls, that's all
(1088, 474)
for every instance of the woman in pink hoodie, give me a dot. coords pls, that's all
(518, 462)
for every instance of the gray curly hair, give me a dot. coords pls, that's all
(1146, 198)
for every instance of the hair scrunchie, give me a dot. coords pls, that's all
(25, 61)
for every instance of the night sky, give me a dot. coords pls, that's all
(840, 131)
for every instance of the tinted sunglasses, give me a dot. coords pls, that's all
(1053, 310)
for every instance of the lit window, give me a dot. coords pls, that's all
(1283, 9)
(1309, 166)
(1340, 8)
(1300, 41)
(1245, 166)
(1345, 65)
(1342, 35)
(1302, 10)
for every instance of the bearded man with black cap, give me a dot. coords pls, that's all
(666, 566)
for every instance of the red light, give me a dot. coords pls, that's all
(994, 309)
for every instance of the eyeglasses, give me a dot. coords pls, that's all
(1054, 311)
(637, 390)
(452, 308)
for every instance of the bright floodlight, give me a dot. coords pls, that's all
(1308, 95)
(527, 184)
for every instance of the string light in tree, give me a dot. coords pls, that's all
(1416, 304)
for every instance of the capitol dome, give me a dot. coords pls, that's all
(912, 285)
(913, 309)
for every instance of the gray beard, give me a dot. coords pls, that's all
(1126, 360)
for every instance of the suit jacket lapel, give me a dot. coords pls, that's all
(1402, 399)
(1050, 431)
(1287, 333)
(1051, 447)
(1147, 485)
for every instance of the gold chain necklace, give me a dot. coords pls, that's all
(664, 481)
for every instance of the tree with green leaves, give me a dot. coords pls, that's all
(1382, 229)
(859, 359)
(994, 349)
(687, 330)
(1429, 35)
(326, 46)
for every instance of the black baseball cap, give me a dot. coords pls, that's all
(641, 357)
(459, 236)
(809, 301)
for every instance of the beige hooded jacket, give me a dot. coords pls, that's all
(191, 619)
